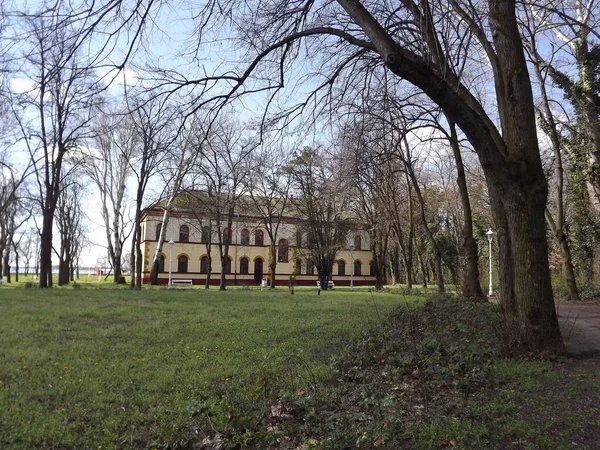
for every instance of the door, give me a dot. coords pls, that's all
(258, 270)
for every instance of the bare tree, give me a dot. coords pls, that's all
(322, 201)
(222, 168)
(61, 98)
(152, 122)
(561, 37)
(268, 186)
(107, 161)
(556, 217)
(69, 218)
(183, 152)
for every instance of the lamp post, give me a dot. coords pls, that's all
(490, 236)
(351, 267)
(171, 243)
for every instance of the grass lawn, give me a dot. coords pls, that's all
(103, 368)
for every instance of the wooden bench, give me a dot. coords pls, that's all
(330, 284)
(174, 282)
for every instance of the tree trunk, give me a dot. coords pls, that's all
(16, 266)
(410, 244)
(46, 250)
(395, 264)
(423, 270)
(272, 262)
(471, 285)
(208, 272)
(118, 250)
(136, 242)
(537, 320)
(567, 261)
(557, 226)
(133, 256)
(159, 246)
(6, 265)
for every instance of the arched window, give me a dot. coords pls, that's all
(310, 267)
(184, 233)
(182, 264)
(245, 237)
(299, 239)
(204, 264)
(244, 266)
(341, 267)
(357, 242)
(282, 251)
(157, 231)
(372, 268)
(298, 266)
(259, 237)
(161, 263)
(227, 265)
(357, 268)
(206, 234)
(226, 236)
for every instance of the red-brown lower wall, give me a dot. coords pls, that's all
(280, 281)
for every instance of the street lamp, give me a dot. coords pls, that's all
(171, 243)
(351, 267)
(490, 236)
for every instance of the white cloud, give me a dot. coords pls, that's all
(121, 77)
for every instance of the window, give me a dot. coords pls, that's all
(357, 268)
(184, 233)
(182, 264)
(226, 236)
(259, 237)
(158, 230)
(206, 234)
(310, 267)
(245, 237)
(357, 243)
(341, 267)
(204, 264)
(244, 266)
(161, 263)
(282, 251)
(227, 265)
(299, 239)
(310, 241)
(298, 267)
(372, 268)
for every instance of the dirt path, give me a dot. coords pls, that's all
(580, 326)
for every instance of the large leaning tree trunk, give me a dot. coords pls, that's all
(510, 160)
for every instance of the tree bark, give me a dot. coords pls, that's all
(46, 249)
(272, 261)
(6, 265)
(159, 245)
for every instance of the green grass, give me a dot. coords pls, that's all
(145, 369)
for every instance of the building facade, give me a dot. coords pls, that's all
(248, 261)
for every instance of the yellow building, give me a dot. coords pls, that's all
(248, 252)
